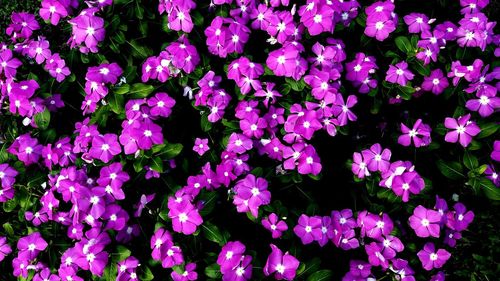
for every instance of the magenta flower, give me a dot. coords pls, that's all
(283, 266)
(5, 248)
(8, 64)
(486, 103)
(201, 146)
(185, 218)
(436, 82)
(399, 74)
(230, 255)
(379, 24)
(53, 10)
(180, 19)
(375, 226)
(425, 222)
(273, 224)
(161, 104)
(7, 175)
(459, 219)
(283, 61)
(417, 23)
(104, 147)
(431, 258)
(241, 272)
(147, 134)
(88, 29)
(308, 229)
(419, 135)
(359, 166)
(377, 159)
(157, 241)
(407, 183)
(375, 256)
(189, 273)
(253, 191)
(462, 130)
(29, 246)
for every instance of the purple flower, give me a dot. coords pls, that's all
(407, 183)
(29, 246)
(436, 82)
(188, 274)
(462, 130)
(399, 74)
(375, 256)
(425, 222)
(308, 229)
(157, 242)
(375, 226)
(273, 224)
(420, 134)
(486, 103)
(8, 64)
(283, 61)
(104, 147)
(104, 73)
(147, 134)
(185, 218)
(431, 258)
(241, 272)
(53, 10)
(230, 255)
(284, 266)
(417, 23)
(380, 22)
(459, 219)
(359, 166)
(88, 29)
(161, 104)
(5, 248)
(253, 191)
(7, 176)
(376, 158)
(145, 199)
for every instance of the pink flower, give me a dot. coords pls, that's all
(273, 224)
(399, 74)
(425, 222)
(201, 146)
(283, 266)
(431, 258)
(185, 218)
(462, 130)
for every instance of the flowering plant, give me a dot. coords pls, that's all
(249, 140)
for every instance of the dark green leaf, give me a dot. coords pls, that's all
(403, 44)
(212, 233)
(451, 170)
(213, 271)
(470, 161)
(321, 275)
(139, 90)
(42, 119)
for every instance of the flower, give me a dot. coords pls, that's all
(407, 183)
(425, 222)
(5, 248)
(53, 10)
(430, 258)
(104, 147)
(376, 158)
(29, 246)
(273, 224)
(308, 229)
(253, 192)
(462, 130)
(230, 255)
(436, 82)
(185, 218)
(486, 103)
(7, 175)
(188, 274)
(283, 266)
(417, 23)
(399, 74)
(459, 219)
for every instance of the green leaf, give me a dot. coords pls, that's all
(213, 271)
(451, 170)
(42, 119)
(489, 189)
(205, 124)
(403, 44)
(470, 161)
(212, 233)
(8, 229)
(487, 130)
(170, 150)
(157, 164)
(140, 90)
(421, 69)
(309, 267)
(121, 90)
(10, 205)
(116, 103)
(123, 252)
(110, 272)
(147, 275)
(405, 91)
(321, 275)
